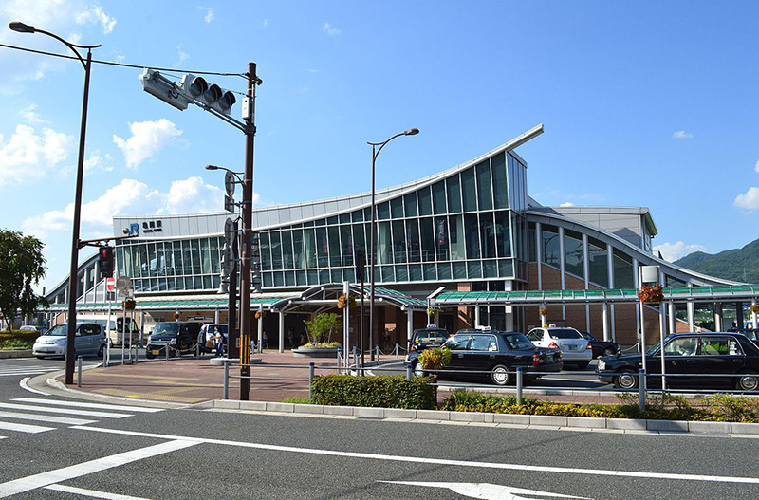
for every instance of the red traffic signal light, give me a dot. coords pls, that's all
(105, 259)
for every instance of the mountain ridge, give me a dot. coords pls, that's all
(736, 264)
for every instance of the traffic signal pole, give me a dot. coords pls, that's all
(233, 336)
(247, 222)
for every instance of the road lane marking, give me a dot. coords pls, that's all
(439, 461)
(29, 429)
(46, 418)
(80, 404)
(24, 385)
(65, 411)
(25, 372)
(92, 493)
(44, 479)
(487, 491)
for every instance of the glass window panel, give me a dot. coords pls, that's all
(473, 270)
(415, 272)
(409, 203)
(438, 197)
(500, 182)
(412, 240)
(444, 271)
(186, 257)
(322, 249)
(308, 224)
(384, 243)
(506, 268)
(320, 222)
(289, 278)
(298, 255)
(336, 275)
(468, 190)
(597, 262)
(396, 207)
(425, 201)
(531, 254)
(490, 269)
(551, 249)
(207, 282)
(623, 270)
(120, 260)
(457, 247)
(275, 247)
(331, 220)
(324, 277)
(573, 260)
(441, 238)
(349, 274)
(454, 194)
(216, 245)
(152, 262)
(383, 210)
(171, 284)
(399, 241)
(357, 216)
(367, 214)
(472, 235)
(345, 218)
(487, 235)
(428, 272)
(287, 250)
(484, 187)
(205, 251)
(216, 281)
(268, 282)
(300, 278)
(347, 245)
(313, 277)
(427, 233)
(197, 282)
(195, 246)
(401, 273)
(386, 274)
(263, 243)
(459, 270)
(359, 241)
(309, 237)
(335, 251)
(502, 234)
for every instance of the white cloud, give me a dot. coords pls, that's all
(567, 204)
(147, 138)
(131, 197)
(756, 167)
(209, 16)
(682, 134)
(331, 30)
(96, 14)
(673, 251)
(30, 114)
(266, 22)
(749, 200)
(27, 155)
(183, 56)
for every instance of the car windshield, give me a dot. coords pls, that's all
(588, 337)
(166, 329)
(518, 341)
(655, 348)
(57, 331)
(564, 333)
(431, 336)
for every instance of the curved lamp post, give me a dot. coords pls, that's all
(376, 148)
(75, 242)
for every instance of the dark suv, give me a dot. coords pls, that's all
(426, 338)
(495, 355)
(181, 336)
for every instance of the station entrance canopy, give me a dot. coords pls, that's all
(610, 295)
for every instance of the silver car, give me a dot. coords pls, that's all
(89, 341)
(574, 348)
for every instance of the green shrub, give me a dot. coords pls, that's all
(382, 392)
(18, 334)
(300, 401)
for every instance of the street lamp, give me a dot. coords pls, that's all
(76, 243)
(376, 148)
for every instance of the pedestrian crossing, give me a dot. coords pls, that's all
(25, 370)
(34, 415)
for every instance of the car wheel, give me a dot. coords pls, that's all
(149, 355)
(626, 379)
(583, 365)
(40, 357)
(500, 375)
(747, 382)
(609, 352)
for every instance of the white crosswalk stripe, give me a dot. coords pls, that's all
(46, 418)
(30, 429)
(67, 411)
(82, 404)
(26, 370)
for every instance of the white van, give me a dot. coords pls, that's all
(114, 330)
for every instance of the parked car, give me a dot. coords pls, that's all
(206, 334)
(114, 330)
(426, 338)
(574, 348)
(89, 339)
(600, 347)
(29, 328)
(180, 335)
(690, 353)
(495, 354)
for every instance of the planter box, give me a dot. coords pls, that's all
(315, 352)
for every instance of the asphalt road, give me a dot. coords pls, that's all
(192, 454)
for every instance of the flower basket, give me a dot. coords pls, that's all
(344, 302)
(543, 311)
(129, 304)
(260, 314)
(650, 294)
(431, 311)
(435, 359)
(755, 308)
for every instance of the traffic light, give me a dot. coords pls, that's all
(105, 261)
(164, 89)
(197, 88)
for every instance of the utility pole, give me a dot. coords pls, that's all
(247, 222)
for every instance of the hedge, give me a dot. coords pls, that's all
(18, 334)
(381, 392)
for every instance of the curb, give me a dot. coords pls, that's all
(19, 353)
(633, 425)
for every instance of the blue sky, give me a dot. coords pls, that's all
(645, 104)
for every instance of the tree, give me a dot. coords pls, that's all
(320, 329)
(21, 266)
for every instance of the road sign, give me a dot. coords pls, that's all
(124, 284)
(110, 284)
(229, 183)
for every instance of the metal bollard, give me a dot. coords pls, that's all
(641, 389)
(310, 381)
(226, 379)
(167, 351)
(409, 371)
(520, 384)
(79, 372)
(354, 355)
(105, 354)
